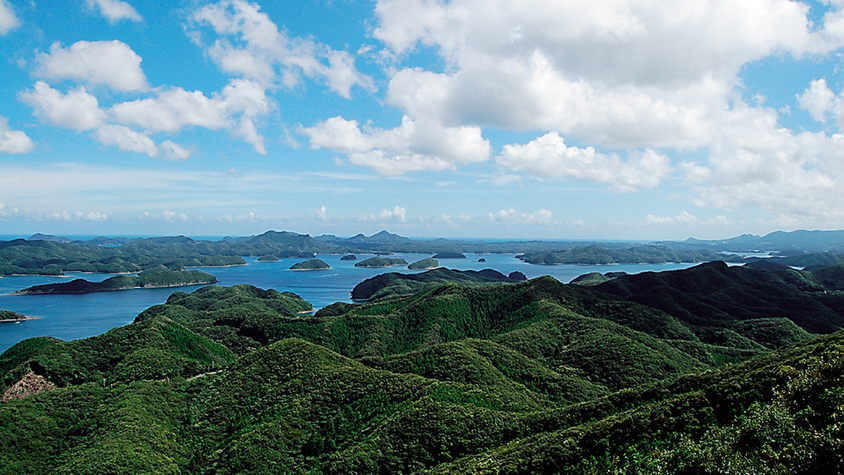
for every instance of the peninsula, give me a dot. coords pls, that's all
(8, 316)
(156, 278)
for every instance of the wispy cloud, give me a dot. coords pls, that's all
(114, 10)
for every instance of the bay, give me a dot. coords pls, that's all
(70, 317)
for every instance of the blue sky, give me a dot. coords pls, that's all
(609, 119)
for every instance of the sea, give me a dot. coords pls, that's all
(70, 317)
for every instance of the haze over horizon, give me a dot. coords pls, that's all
(612, 120)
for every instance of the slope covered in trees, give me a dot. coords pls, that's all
(394, 283)
(528, 377)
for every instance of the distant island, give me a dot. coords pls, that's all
(160, 277)
(449, 255)
(428, 263)
(311, 264)
(381, 262)
(44, 254)
(649, 254)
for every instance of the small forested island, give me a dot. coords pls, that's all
(449, 255)
(349, 257)
(268, 258)
(427, 263)
(381, 262)
(156, 278)
(311, 264)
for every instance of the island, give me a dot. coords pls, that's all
(311, 264)
(381, 262)
(349, 257)
(428, 263)
(449, 255)
(268, 258)
(155, 278)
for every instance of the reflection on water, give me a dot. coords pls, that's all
(70, 317)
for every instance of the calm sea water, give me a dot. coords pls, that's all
(70, 317)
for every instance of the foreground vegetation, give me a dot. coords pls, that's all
(676, 372)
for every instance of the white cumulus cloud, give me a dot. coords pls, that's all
(111, 63)
(398, 213)
(172, 109)
(77, 110)
(413, 146)
(616, 73)
(126, 139)
(13, 141)
(549, 157)
(820, 102)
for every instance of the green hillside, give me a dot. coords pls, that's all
(241, 317)
(715, 298)
(527, 377)
(394, 283)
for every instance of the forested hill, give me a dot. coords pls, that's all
(154, 278)
(520, 377)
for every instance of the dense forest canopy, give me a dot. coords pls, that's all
(709, 369)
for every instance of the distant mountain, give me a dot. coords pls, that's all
(778, 241)
(361, 241)
(47, 237)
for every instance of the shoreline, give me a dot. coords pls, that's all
(22, 319)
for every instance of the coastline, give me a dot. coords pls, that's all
(22, 319)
